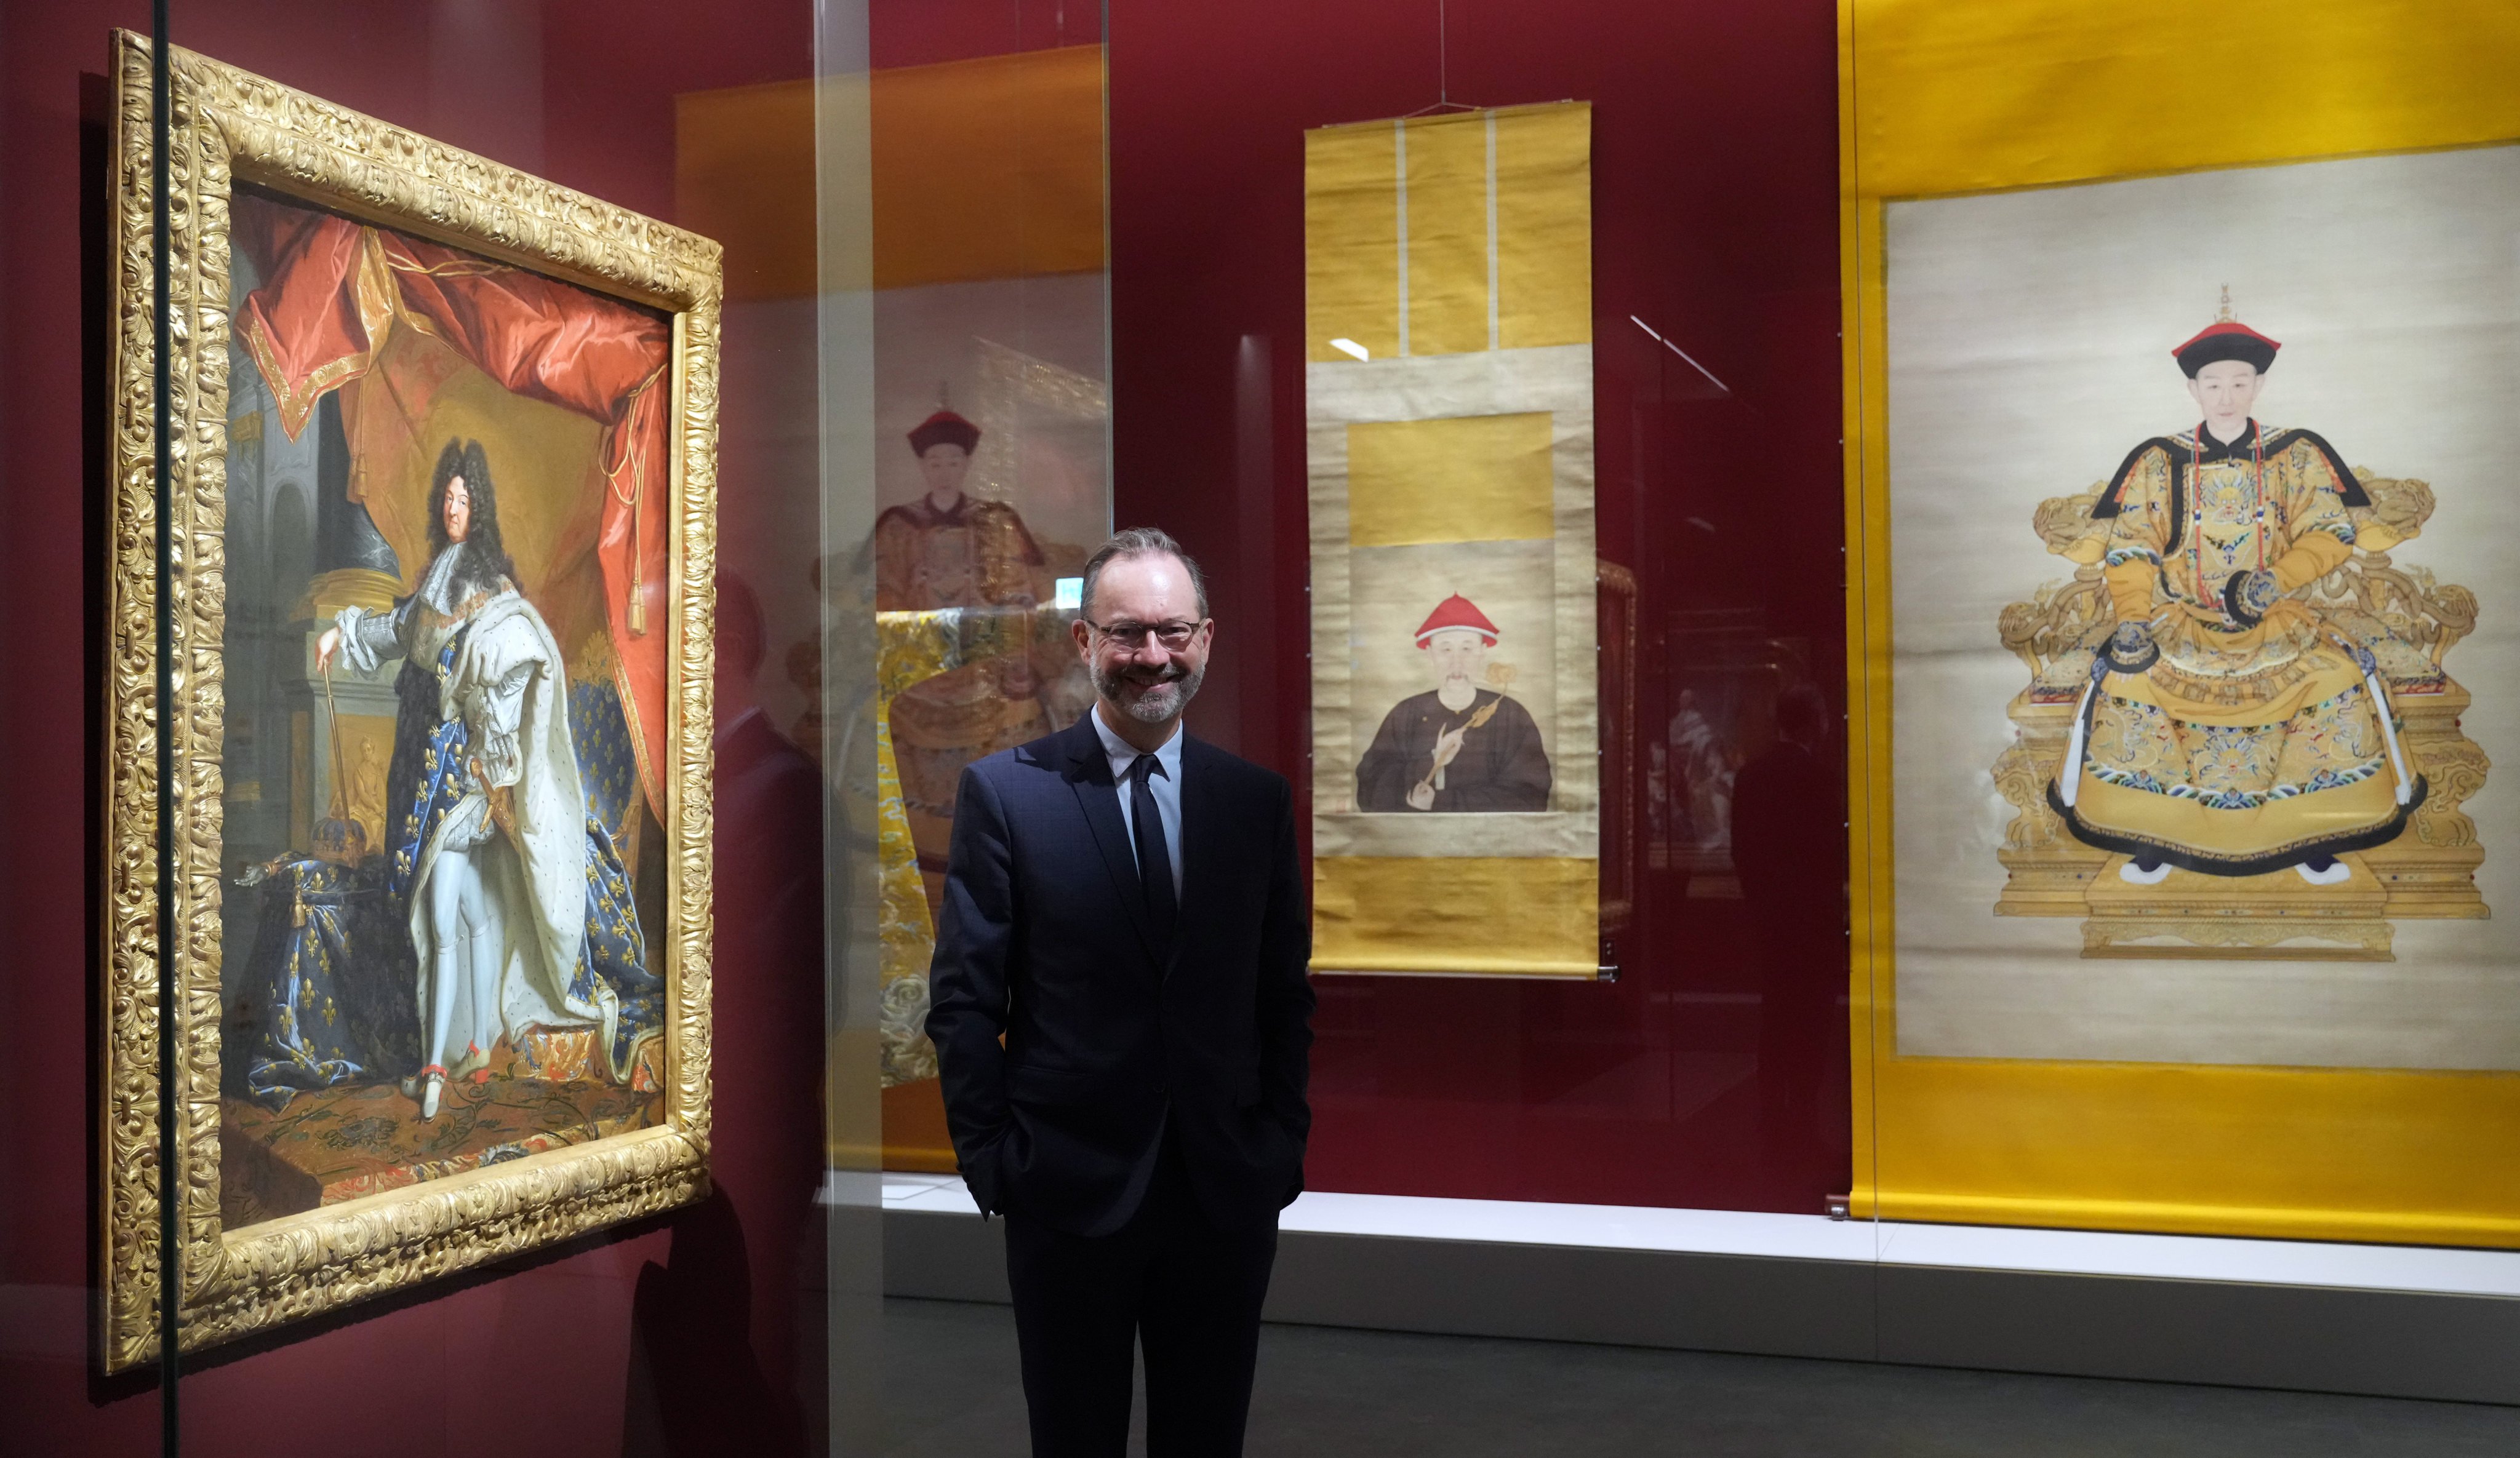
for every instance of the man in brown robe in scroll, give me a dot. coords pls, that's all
(1458, 747)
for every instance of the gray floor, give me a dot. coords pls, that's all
(952, 1388)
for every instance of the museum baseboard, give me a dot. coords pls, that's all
(2388, 1321)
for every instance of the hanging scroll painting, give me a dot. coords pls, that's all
(1449, 420)
(2224, 651)
(2184, 884)
(445, 513)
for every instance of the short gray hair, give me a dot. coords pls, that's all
(1139, 541)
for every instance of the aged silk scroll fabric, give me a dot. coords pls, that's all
(1449, 418)
(2356, 723)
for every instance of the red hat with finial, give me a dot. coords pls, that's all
(944, 429)
(1456, 611)
(2226, 338)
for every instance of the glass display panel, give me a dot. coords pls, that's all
(710, 1321)
(991, 455)
(1710, 1069)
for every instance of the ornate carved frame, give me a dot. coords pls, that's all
(230, 126)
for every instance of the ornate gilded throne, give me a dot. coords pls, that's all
(2408, 621)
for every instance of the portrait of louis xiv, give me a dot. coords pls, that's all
(441, 528)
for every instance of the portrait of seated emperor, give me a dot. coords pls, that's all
(946, 550)
(1459, 747)
(2229, 725)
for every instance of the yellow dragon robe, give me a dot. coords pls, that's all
(2243, 748)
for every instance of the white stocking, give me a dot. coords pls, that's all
(464, 955)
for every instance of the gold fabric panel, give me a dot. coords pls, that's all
(1462, 479)
(1482, 220)
(2389, 1154)
(1447, 198)
(1521, 916)
(743, 174)
(1351, 242)
(1019, 137)
(1971, 98)
(1544, 223)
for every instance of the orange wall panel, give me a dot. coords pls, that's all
(988, 168)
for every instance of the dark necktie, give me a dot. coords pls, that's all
(1154, 862)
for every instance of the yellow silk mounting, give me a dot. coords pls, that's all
(1937, 99)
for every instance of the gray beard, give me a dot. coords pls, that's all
(1158, 703)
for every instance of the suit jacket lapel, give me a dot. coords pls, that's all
(1089, 775)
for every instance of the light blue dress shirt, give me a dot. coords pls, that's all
(1166, 787)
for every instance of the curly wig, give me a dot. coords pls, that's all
(485, 556)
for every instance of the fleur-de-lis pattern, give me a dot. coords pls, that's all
(329, 998)
(606, 765)
(427, 775)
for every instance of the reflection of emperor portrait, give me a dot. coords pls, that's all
(1458, 746)
(946, 550)
(2228, 726)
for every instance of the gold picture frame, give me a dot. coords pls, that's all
(229, 127)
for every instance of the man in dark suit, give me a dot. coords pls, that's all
(1122, 906)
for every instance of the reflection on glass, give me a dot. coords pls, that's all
(946, 551)
(990, 475)
(1726, 674)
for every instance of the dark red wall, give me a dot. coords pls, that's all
(691, 1331)
(925, 32)
(1715, 187)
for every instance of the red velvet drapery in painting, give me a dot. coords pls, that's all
(333, 289)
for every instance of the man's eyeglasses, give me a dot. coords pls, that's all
(1175, 635)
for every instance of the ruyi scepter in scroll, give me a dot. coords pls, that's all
(1487, 711)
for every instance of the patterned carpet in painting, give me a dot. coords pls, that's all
(338, 1144)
